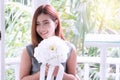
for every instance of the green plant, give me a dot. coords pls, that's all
(74, 18)
(17, 27)
(9, 74)
(17, 31)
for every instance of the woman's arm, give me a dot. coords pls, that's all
(71, 67)
(25, 67)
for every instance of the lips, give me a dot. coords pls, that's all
(43, 34)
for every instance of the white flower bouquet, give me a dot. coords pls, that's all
(52, 51)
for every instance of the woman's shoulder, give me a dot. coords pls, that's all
(30, 49)
(70, 44)
(29, 45)
(71, 47)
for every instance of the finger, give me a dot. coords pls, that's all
(56, 71)
(46, 70)
(47, 65)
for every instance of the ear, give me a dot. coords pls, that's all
(56, 23)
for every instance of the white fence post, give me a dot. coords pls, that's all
(103, 63)
(117, 72)
(17, 68)
(2, 29)
(86, 71)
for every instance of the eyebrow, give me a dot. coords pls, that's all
(45, 20)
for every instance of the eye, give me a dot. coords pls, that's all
(37, 24)
(46, 22)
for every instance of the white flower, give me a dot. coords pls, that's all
(52, 50)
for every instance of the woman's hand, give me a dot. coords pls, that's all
(46, 69)
(55, 70)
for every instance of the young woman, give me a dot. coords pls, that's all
(45, 24)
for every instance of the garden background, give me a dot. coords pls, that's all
(78, 17)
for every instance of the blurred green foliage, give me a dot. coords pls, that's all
(17, 29)
(78, 18)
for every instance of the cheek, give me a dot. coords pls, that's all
(52, 30)
(53, 27)
(38, 30)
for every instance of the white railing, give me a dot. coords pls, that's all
(88, 60)
(15, 64)
(101, 41)
(85, 60)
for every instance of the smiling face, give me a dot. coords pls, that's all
(45, 23)
(45, 26)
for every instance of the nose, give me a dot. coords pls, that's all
(42, 28)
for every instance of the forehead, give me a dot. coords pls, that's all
(43, 17)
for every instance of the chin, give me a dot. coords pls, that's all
(45, 37)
